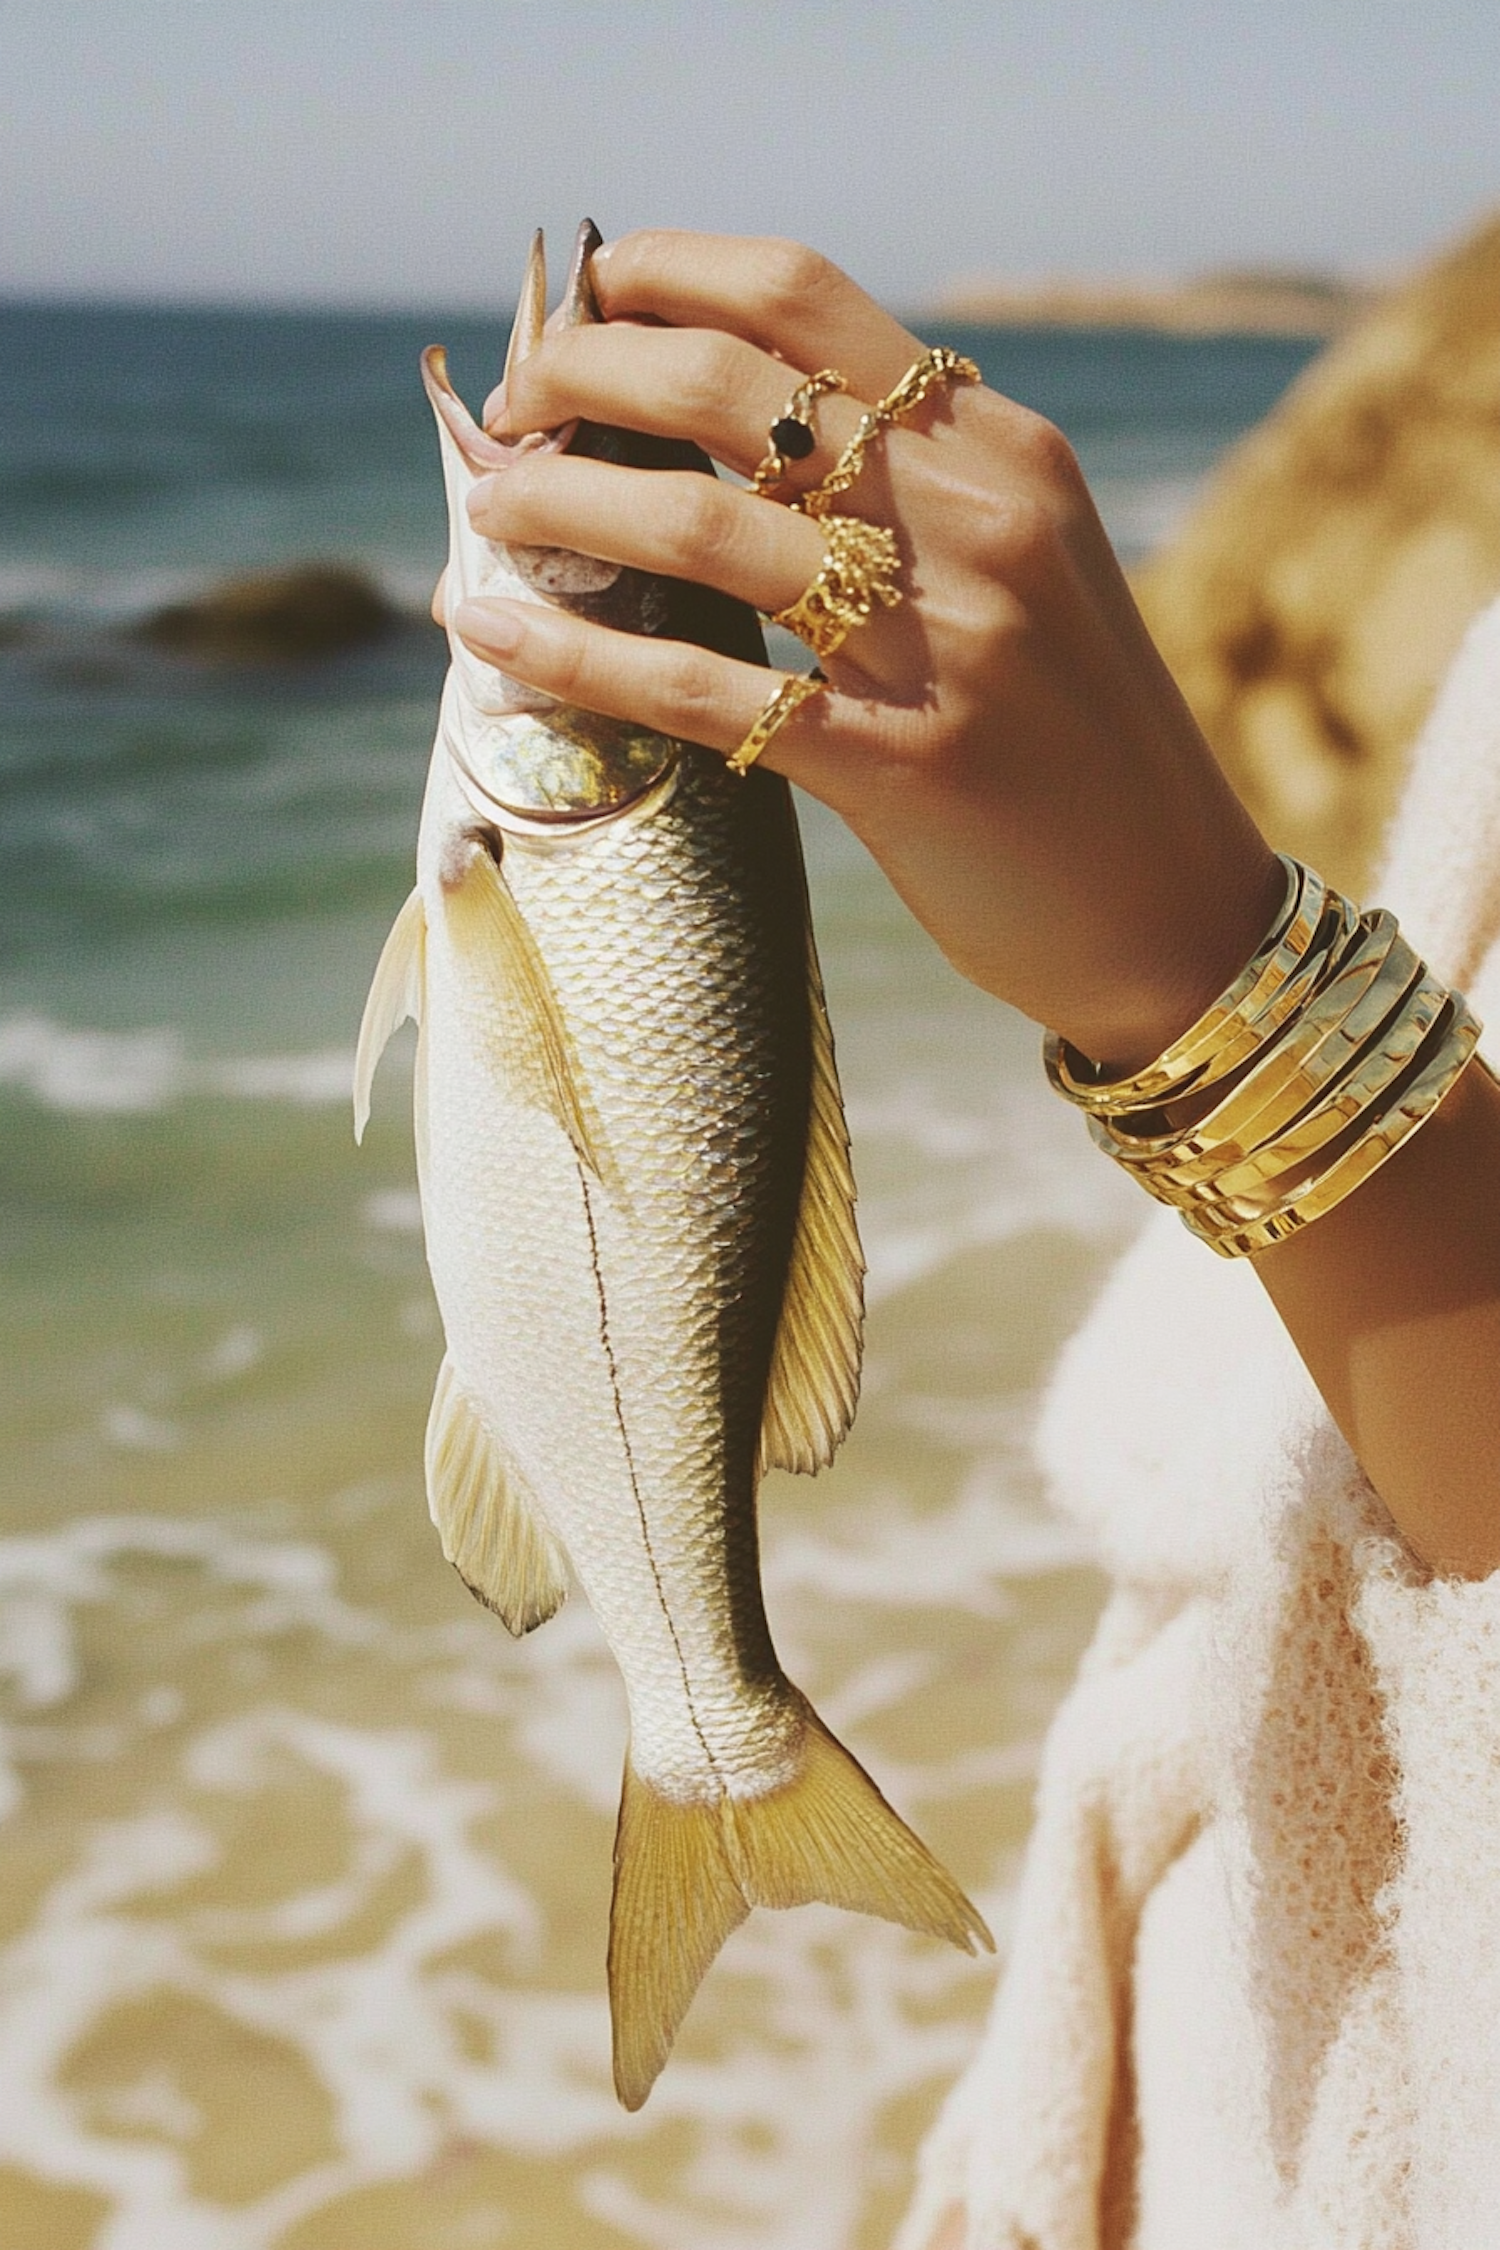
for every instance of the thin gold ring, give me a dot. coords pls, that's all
(935, 368)
(791, 436)
(793, 692)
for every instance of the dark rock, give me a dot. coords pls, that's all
(310, 610)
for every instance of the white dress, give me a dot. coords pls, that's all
(1253, 1994)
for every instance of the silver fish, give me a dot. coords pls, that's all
(639, 1212)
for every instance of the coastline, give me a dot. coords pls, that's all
(1231, 303)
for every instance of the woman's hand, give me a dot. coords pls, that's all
(1006, 742)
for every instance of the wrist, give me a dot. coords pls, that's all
(1122, 1025)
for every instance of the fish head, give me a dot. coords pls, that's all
(519, 752)
(521, 756)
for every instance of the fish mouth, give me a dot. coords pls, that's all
(520, 753)
(580, 308)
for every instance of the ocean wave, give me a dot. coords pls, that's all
(120, 1072)
(357, 1972)
(949, 1163)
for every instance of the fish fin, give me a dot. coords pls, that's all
(485, 1516)
(814, 1379)
(687, 1875)
(396, 992)
(829, 1834)
(496, 949)
(675, 1902)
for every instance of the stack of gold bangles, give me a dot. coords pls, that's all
(1324, 1055)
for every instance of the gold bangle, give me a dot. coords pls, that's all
(1264, 988)
(1335, 1043)
(859, 568)
(1280, 1165)
(1362, 986)
(791, 436)
(1453, 1049)
(936, 367)
(794, 691)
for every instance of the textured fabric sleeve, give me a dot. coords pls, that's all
(1436, 1650)
(1036, 2142)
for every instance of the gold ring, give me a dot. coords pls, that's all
(935, 368)
(791, 436)
(793, 692)
(859, 568)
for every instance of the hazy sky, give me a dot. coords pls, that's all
(399, 151)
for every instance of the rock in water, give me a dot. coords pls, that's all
(312, 609)
(1312, 604)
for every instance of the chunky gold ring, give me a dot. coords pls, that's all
(791, 436)
(793, 692)
(860, 565)
(934, 369)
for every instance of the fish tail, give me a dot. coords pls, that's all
(686, 1875)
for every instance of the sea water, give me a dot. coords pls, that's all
(304, 1865)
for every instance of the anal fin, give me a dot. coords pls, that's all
(486, 1519)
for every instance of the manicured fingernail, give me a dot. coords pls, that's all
(480, 496)
(493, 627)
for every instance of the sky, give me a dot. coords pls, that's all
(398, 152)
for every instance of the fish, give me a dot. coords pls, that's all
(639, 1211)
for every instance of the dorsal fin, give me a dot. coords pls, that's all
(486, 1518)
(396, 992)
(814, 1378)
(505, 971)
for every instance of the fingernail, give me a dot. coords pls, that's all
(493, 627)
(481, 497)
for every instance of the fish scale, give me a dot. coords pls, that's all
(697, 1077)
(639, 1213)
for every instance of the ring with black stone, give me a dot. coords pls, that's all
(791, 436)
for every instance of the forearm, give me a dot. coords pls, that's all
(1393, 1301)
(1010, 747)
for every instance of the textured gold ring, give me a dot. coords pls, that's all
(934, 369)
(793, 692)
(860, 565)
(791, 436)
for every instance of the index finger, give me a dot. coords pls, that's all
(780, 295)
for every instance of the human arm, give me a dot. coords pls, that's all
(1012, 750)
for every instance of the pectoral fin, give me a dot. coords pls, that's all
(512, 997)
(814, 1379)
(396, 992)
(486, 1518)
(686, 1875)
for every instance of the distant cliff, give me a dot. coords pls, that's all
(1313, 601)
(1235, 302)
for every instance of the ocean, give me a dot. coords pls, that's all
(304, 1865)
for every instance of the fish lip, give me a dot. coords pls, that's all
(482, 450)
(580, 305)
(484, 454)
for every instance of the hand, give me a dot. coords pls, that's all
(1006, 742)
